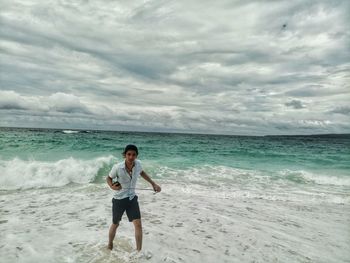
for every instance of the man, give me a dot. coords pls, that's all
(125, 198)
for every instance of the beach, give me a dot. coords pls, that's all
(223, 198)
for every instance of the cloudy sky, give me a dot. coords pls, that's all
(225, 67)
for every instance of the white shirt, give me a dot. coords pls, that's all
(120, 174)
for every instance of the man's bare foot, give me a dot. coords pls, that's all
(110, 246)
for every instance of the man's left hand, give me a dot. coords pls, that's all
(157, 188)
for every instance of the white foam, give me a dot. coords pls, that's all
(70, 131)
(223, 175)
(23, 174)
(211, 174)
(312, 177)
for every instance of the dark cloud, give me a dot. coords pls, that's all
(345, 110)
(295, 104)
(9, 106)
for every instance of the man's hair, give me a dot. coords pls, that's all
(130, 147)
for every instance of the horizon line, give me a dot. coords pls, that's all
(185, 133)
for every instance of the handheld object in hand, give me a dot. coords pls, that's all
(116, 183)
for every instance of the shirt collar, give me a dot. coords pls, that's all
(123, 164)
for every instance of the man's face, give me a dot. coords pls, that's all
(130, 156)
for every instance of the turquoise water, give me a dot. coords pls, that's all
(328, 155)
(223, 199)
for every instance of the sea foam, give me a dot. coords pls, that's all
(26, 174)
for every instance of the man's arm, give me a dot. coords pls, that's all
(148, 179)
(109, 181)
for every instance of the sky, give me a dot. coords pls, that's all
(214, 67)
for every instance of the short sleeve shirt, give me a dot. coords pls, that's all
(128, 183)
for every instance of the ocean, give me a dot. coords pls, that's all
(224, 198)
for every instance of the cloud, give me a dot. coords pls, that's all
(59, 102)
(67, 103)
(295, 104)
(11, 100)
(210, 67)
(345, 110)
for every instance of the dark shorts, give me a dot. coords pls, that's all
(130, 206)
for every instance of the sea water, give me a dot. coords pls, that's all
(223, 198)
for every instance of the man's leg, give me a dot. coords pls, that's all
(138, 233)
(118, 209)
(112, 231)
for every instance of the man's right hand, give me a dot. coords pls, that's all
(116, 187)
